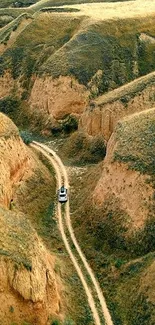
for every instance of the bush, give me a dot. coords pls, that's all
(143, 241)
(97, 147)
(8, 105)
(85, 149)
(70, 125)
(26, 137)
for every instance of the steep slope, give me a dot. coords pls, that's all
(28, 288)
(15, 160)
(128, 173)
(113, 216)
(28, 285)
(102, 115)
(79, 55)
(120, 207)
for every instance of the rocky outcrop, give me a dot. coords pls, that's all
(57, 98)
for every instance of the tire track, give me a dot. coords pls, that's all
(68, 248)
(105, 310)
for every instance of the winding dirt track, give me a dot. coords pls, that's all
(62, 175)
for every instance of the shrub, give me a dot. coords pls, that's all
(85, 149)
(26, 137)
(11, 309)
(55, 322)
(70, 125)
(97, 147)
(9, 104)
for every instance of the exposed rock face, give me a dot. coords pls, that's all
(58, 97)
(127, 186)
(124, 181)
(28, 289)
(102, 117)
(14, 159)
(28, 286)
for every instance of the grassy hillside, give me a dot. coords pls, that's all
(50, 3)
(120, 273)
(128, 91)
(49, 48)
(136, 142)
(115, 45)
(14, 3)
(124, 263)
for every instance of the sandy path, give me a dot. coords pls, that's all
(61, 227)
(101, 298)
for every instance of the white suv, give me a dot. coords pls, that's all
(62, 194)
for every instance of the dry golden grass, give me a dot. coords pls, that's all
(131, 88)
(7, 127)
(135, 141)
(128, 9)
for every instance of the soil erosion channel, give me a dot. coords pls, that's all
(62, 177)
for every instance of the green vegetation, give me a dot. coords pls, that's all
(26, 137)
(45, 47)
(4, 20)
(11, 309)
(121, 259)
(5, 32)
(115, 54)
(126, 92)
(55, 322)
(16, 3)
(101, 232)
(136, 142)
(66, 322)
(57, 44)
(82, 149)
(9, 105)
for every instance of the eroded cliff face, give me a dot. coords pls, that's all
(130, 189)
(58, 97)
(14, 160)
(102, 116)
(28, 286)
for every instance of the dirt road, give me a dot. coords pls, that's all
(62, 174)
